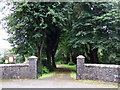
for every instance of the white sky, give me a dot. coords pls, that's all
(3, 34)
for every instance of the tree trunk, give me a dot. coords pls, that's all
(48, 58)
(94, 56)
(87, 50)
(53, 54)
(53, 60)
(67, 60)
(92, 53)
(70, 57)
(39, 61)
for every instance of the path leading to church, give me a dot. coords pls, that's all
(63, 73)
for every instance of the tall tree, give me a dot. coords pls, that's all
(30, 26)
(90, 29)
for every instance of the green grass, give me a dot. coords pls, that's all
(72, 67)
(73, 75)
(46, 75)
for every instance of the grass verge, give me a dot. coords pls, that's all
(73, 75)
(46, 75)
(71, 67)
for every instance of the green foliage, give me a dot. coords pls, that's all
(87, 28)
(94, 26)
(2, 60)
(70, 63)
(45, 70)
(27, 19)
(60, 62)
(60, 55)
(20, 59)
(33, 27)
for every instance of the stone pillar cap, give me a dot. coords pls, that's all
(80, 56)
(33, 57)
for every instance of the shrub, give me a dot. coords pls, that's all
(45, 70)
(70, 63)
(2, 60)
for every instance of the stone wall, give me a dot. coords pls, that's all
(104, 72)
(19, 71)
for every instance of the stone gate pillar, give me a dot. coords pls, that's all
(80, 66)
(33, 67)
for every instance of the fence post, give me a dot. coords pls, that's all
(80, 66)
(33, 67)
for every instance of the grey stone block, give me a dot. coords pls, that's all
(104, 72)
(19, 71)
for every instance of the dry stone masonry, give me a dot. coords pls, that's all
(104, 72)
(19, 71)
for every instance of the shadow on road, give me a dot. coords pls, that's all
(63, 69)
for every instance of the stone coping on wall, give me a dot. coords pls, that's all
(14, 65)
(103, 65)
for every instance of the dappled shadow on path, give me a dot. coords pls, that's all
(62, 69)
(63, 73)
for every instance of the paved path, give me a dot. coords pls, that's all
(61, 79)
